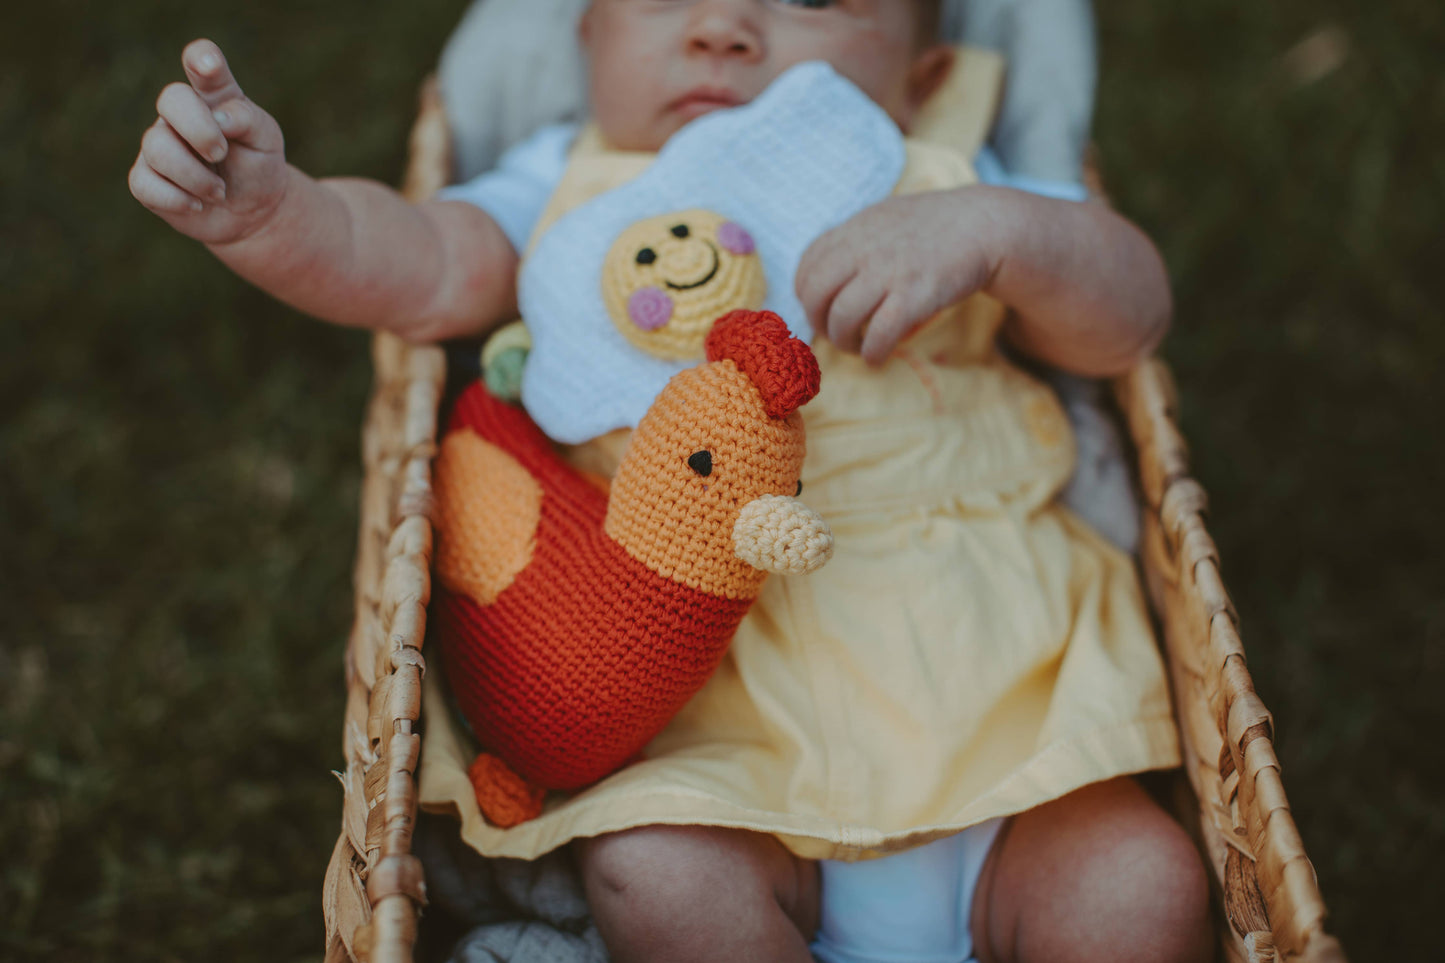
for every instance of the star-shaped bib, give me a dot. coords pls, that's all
(620, 292)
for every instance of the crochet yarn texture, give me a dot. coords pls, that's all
(666, 279)
(575, 622)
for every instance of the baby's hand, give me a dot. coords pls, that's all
(213, 164)
(869, 282)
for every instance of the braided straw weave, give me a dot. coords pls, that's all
(1269, 905)
(374, 885)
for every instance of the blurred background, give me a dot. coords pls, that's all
(179, 454)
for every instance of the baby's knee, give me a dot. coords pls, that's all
(653, 869)
(1161, 896)
(1102, 874)
(1150, 901)
(657, 891)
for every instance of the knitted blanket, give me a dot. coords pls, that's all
(491, 910)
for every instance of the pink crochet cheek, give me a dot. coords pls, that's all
(649, 309)
(735, 239)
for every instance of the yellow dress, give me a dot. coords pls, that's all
(972, 650)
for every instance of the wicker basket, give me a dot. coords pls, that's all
(1268, 904)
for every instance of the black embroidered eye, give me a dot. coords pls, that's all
(700, 462)
(680, 230)
(799, 491)
(646, 256)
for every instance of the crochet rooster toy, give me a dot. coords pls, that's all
(575, 620)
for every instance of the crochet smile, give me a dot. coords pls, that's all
(716, 265)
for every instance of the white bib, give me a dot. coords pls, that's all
(617, 294)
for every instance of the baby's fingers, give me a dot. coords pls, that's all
(165, 153)
(159, 194)
(245, 123)
(184, 110)
(822, 273)
(887, 326)
(209, 74)
(850, 310)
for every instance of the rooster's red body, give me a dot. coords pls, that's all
(574, 621)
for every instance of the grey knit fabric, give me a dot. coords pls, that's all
(513, 911)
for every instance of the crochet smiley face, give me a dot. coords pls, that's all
(665, 280)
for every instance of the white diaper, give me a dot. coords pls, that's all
(910, 907)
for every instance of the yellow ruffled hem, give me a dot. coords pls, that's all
(633, 797)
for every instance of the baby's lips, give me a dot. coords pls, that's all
(649, 309)
(779, 534)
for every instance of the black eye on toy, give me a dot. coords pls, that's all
(646, 256)
(679, 230)
(700, 462)
(799, 491)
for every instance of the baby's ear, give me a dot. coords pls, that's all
(584, 27)
(930, 68)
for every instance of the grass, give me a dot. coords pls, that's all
(178, 454)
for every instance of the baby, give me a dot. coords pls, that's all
(1059, 693)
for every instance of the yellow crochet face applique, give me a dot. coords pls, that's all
(666, 279)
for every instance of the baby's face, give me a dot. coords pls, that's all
(654, 65)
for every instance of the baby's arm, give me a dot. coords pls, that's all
(346, 250)
(1088, 289)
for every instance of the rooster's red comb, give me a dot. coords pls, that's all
(782, 367)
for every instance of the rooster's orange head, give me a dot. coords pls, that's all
(707, 492)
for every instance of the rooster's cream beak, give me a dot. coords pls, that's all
(782, 535)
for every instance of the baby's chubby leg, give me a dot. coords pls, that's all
(1101, 874)
(699, 893)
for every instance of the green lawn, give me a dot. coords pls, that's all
(179, 455)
